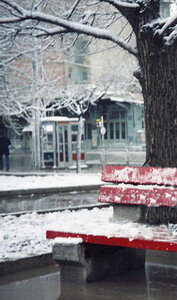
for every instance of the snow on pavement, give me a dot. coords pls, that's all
(9, 183)
(25, 236)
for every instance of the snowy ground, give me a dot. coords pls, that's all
(9, 183)
(25, 236)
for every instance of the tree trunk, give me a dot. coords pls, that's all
(79, 139)
(36, 139)
(159, 84)
(158, 78)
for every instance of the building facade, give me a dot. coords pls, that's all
(121, 120)
(122, 135)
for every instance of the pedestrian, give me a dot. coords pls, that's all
(4, 148)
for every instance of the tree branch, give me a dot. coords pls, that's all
(15, 6)
(73, 8)
(80, 28)
(70, 26)
(170, 22)
(120, 4)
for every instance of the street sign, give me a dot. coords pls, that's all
(102, 130)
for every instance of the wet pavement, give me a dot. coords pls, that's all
(37, 284)
(44, 284)
(131, 285)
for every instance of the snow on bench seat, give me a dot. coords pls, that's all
(96, 227)
(139, 185)
(159, 238)
(167, 243)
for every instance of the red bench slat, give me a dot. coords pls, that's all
(140, 175)
(150, 197)
(165, 243)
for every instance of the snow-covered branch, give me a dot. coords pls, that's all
(12, 4)
(68, 25)
(76, 98)
(165, 28)
(122, 4)
(73, 8)
(167, 23)
(90, 31)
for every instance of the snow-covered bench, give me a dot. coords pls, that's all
(144, 200)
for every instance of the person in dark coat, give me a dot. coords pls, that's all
(4, 148)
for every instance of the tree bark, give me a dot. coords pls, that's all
(159, 85)
(158, 78)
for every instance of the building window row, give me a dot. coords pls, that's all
(115, 124)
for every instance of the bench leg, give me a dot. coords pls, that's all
(132, 213)
(89, 262)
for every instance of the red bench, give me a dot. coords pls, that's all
(141, 186)
(151, 194)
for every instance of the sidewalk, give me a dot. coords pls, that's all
(20, 183)
(22, 238)
(21, 161)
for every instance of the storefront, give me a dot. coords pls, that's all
(122, 120)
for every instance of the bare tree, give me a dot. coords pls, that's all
(77, 99)
(155, 51)
(33, 88)
(26, 73)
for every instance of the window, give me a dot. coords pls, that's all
(123, 115)
(74, 137)
(114, 115)
(117, 130)
(106, 134)
(69, 72)
(85, 75)
(123, 130)
(66, 134)
(111, 131)
(66, 143)
(74, 127)
(79, 77)
(89, 131)
(79, 59)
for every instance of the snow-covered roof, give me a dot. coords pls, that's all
(125, 100)
(132, 96)
(28, 128)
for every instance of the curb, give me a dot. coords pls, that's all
(51, 210)
(49, 190)
(25, 264)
